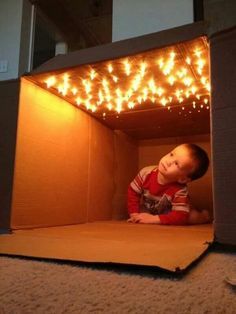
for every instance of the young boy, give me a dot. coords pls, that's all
(159, 194)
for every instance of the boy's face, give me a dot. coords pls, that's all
(177, 165)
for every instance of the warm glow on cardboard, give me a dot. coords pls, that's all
(167, 77)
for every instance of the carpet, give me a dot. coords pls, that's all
(38, 286)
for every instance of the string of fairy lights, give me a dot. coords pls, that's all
(134, 83)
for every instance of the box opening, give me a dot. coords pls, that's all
(84, 131)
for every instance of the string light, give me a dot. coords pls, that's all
(161, 79)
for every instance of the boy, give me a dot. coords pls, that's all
(159, 194)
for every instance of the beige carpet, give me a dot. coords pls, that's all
(33, 286)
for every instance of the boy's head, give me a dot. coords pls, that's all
(185, 163)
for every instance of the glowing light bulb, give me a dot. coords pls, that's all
(171, 80)
(200, 63)
(187, 94)
(188, 60)
(199, 71)
(74, 90)
(88, 87)
(93, 108)
(78, 101)
(198, 53)
(163, 101)
(205, 101)
(187, 81)
(60, 88)
(161, 63)
(145, 93)
(203, 80)
(109, 106)
(136, 82)
(118, 93)
(50, 81)
(182, 73)
(108, 97)
(110, 68)
(159, 91)
(193, 90)
(130, 104)
(115, 78)
(139, 99)
(127, 67)
(178, 93)
(143, 68)
(92, 74)
(118, 105)
(87, 105)
(104, 82)
(129, 93)
(101, 98)
(152, 86)
(208, 87)
(172, 55)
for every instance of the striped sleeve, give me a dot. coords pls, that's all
(180, 201)
(180, 209)
(135, 189)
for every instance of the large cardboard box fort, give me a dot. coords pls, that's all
(75, 132)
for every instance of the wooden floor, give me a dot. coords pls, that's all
(168, 247)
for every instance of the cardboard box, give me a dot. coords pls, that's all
(66, 169)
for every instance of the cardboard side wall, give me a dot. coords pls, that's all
(223, 78)
(9, 91)
(126, 167)
(59, 163)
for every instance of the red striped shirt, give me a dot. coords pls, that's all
(170, 202)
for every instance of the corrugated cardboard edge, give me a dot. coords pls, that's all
(170, 248)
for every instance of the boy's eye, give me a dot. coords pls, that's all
(171, 154)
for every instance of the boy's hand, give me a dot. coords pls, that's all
(144, 218)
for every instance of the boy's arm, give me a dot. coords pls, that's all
(180, 209)
(179, 215)
(173, 218)
(135, 190)
(133, 201)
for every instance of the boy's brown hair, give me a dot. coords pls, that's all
(201, 159)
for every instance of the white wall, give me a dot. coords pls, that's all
(133, 18)
(11, 48)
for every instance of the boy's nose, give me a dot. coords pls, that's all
(168, 163)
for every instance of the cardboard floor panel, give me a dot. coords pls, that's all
(168, 247)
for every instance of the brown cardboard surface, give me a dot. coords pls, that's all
(126, 168)
(125, 47)
(151, 108)
(169, 247)
(101, 169)
(51, 165)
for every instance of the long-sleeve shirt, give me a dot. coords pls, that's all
(170, 202)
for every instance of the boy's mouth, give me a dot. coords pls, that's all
(163, 166)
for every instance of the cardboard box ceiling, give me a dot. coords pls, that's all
(127, 84)
(73, 166)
